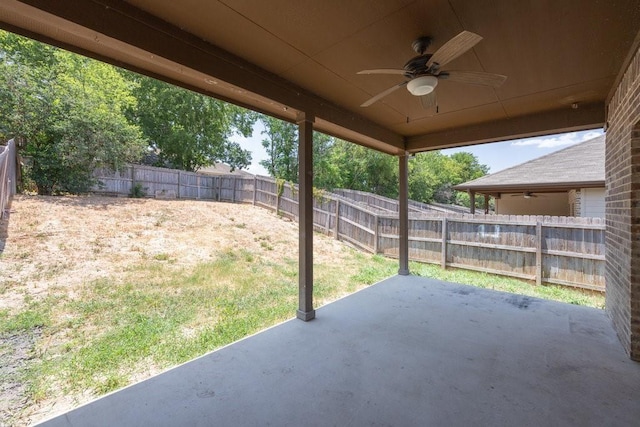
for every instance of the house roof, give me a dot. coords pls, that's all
(223, 169)
(288, 58)
(578, 166)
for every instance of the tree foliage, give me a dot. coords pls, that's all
(67, 110)
(76, 114)
(433, 174)
(188, 130)
(340, 164)
(363, 169)
(281, 144)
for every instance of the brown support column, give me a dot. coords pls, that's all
(472, 202)
(305, 215)
(486, 204)
(403, 212)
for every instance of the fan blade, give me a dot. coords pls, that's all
(474, 78)
(454, 48)
(382, 71)
(383, 94)
(428, 100)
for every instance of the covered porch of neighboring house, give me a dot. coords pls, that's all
(406, 351)
(568, 182)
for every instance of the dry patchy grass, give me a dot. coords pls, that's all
(109, 291)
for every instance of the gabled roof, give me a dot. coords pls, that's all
(578, 166)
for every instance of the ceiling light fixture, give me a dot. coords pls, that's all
(422, 85)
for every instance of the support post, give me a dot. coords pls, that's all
(472, 202)
(403, 213)
(486, 204)
(305, 215)
(538, 253)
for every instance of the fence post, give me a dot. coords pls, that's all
(233, 192)
(133, 177)
(255, 188)
(538, 253)
(198, 183)
(219, 196)
(376, 234)
(179, 183)
(337, 228)
(327, 223)
(443, 260)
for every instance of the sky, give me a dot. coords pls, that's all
(497, 155)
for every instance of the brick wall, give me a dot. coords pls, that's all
(623, 209)
(574, 203)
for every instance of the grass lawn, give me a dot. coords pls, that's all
(107, 332)
(115, 330)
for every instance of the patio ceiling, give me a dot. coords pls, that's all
(284, 57)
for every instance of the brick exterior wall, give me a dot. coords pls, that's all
(623, 209)
(574, 203)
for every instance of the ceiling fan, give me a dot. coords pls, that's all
(423, 71)
(526, 195)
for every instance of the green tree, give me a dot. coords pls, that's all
(433, 174)
(281, 143)
(68, 110)
(189, 130)
(364, 169)
(326, 174)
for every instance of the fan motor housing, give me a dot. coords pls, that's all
(417, 65)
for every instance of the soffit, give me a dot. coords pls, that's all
(555, 54)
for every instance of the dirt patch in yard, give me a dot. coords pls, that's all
(57, 244)
(67, 241)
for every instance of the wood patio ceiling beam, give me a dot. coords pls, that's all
(120, 21)
(588, 116)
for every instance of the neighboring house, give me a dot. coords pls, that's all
(223, 169)
(569, 182)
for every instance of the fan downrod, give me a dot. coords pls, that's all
(421, 44)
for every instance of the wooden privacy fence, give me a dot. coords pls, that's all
(561, 250)
(172, 183)
(7, 175)
(391, 205)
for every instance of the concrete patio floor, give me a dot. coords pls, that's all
(408, 351)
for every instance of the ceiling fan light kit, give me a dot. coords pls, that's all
(422, 85)
(423, 71)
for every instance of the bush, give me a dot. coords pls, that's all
(137, 191)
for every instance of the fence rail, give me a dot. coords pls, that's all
(7, 175)
(561, 250)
